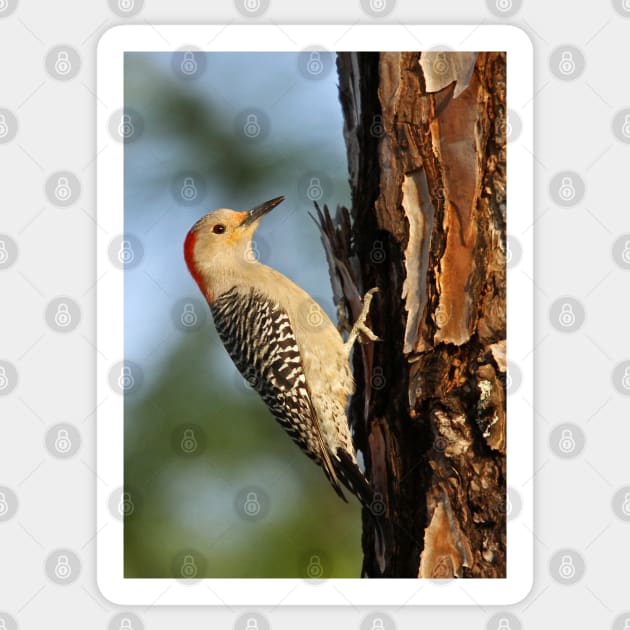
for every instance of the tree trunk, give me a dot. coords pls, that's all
(426, 141)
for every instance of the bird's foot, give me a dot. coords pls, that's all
(360, 327)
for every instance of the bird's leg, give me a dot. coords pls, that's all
(360, 325)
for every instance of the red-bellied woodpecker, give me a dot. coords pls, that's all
(280, 340)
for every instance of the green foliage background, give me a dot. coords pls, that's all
(191, 504)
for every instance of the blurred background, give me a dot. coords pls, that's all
(218, 488)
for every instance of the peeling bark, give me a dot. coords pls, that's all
(425, 136)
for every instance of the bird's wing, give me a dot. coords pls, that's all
(258, 336)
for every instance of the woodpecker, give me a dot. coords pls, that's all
(281, 341)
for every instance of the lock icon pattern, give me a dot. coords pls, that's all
(378, 378)
(377, 253)
(440, 64)
(126, 127)
(504, 624)
(376, 128)
(567, 63)
(189, 567)
(252, 505)
(189, 64)
(315, 318)
(251, 624)
(126, 506)
(63, 443)
(63, 192)
(567, 568)
(315, 191)
(189, 317)
(62, 569)
(251, 253)
(63, 65)
(378, 5)
(567, 189)
(63, 317)
(4, 379)
(125, 379)
(4, 506)
(189, 190)
(126, 5)
(566, 318)
(126, 254)
(251, 128)
(189, 441)
(378, 624)
(125, 624)
(625, 506)
(567, 442)
(315, 569)
(625, 254)
(625, 127)
(504, 5)
(4, 254)
(252, 5)
(315, 65)
(4, 127)
(625, 380)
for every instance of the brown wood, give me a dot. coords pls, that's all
(426, 143)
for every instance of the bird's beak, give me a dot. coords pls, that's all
(259, 211)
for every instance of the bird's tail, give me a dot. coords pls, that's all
(352, 477)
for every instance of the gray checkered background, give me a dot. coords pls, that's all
(47, 313)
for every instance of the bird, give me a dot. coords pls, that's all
(281, 341)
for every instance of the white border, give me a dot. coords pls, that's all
(286, 592)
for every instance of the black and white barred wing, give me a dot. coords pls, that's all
(258, 336)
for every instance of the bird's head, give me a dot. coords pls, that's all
(221, 241)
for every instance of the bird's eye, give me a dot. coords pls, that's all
(218, 228)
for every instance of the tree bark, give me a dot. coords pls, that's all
(426, 142)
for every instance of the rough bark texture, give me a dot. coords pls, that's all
(425, 134)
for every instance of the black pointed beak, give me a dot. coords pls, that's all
(261, 210)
